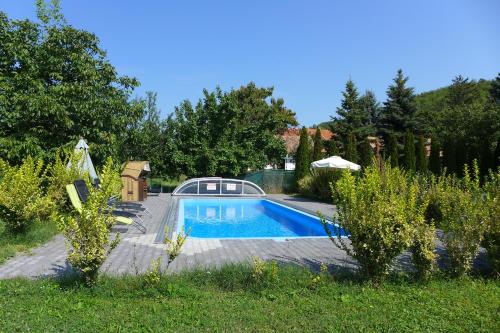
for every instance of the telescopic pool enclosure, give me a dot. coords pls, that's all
(217, 186)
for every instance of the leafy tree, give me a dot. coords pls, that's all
(302, 163)
(421, 158)
(57, 86)
(226, 133)
(366, 153)
(353, 116)
(318, 146)
(495, 89)
(462, 92)
(435, 158)
(399, 108)
(393, 150)
(351, 151)
(409, 150)
(146, 137)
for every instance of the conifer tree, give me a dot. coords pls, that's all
(332, 148)
(497, 154)
(434, 158)
(421, 156)
(318, 146)
(393, 151)
(450, 156)
(400, 107)
(353, 115)
(409, 151)
(366, 153)
(302, 156)
(351, 152)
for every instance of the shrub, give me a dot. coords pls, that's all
(264, 273)
(422, 249)
(378, 211)
(88, 234)
(463, 219)
(60, 174)
(305, 186)
(174, 246)
(318, 184)
(22, 199)
(492, 233)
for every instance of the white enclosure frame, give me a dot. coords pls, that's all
(220, 182)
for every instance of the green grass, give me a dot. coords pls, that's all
(227, 300)
(36, 235)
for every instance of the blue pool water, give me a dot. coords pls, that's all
(246, 218)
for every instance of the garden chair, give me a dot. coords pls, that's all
(83, 193)
(77, 204)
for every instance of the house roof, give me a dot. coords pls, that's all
(292, 137)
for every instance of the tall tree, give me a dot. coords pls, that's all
(227, 133)
(495, 89)
(351, 151)
(421, 158)
(302, 162)
(496, 155)
(366, 153)
(332, 148)
(462, 92)
(352, 116)
(57, 86)
(318, 146)
(450, 156)
(435, 158)
(372, 108)
(393, 150)
(399, 108)
(409, 151)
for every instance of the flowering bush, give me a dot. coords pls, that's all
(22, 199)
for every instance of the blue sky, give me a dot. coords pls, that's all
(305, 49)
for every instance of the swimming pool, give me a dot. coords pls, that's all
(246, 218)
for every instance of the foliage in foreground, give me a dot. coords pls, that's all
(22, 197)
(463, 219)
(88, 232)
(229, 299)
(380, 210)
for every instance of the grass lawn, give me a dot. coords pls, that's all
(227, 300)
(36, 235)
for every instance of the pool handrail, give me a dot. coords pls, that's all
(219, 181)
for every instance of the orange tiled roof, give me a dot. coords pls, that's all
(292, 137)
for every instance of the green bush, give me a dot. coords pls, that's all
(88, 233)
(463, 219)
(22, 199)
(492, 233)
(318, 185)
(378, 210)
(59, 175)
